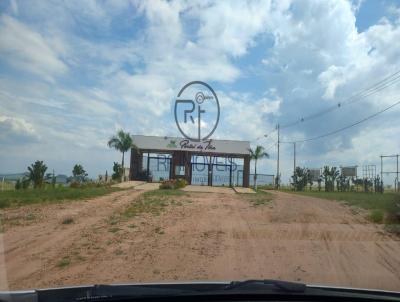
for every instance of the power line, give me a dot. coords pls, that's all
(346, 127)
(270, 146)
(379, 86)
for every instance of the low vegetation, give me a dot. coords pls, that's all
(173, 184)
(266, 187)
(152, 202)
(67, 220)
(51, 195)
(377, 216)
(384, 208)
(64, 262)
(259, 198)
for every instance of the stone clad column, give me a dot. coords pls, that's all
(246, 171)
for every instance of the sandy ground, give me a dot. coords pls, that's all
(205, 236)
(244, 190)
(208, 189)
(129, 184)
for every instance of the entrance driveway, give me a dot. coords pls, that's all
(208, 189)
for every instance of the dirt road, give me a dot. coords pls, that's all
(202, 236)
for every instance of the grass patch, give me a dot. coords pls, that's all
(118, 252)
(152, 202)
(368, 201)
(393, 228)
(67, 220)
(114, 230)
(259, 198)
(50, 195)
(266, 187)
(376, 216)
(113, 220)
(64, 262)
(384, 208)
(30, 216)
(158, 230)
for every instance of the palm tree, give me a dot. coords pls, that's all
(326, 174)
(257, 154)
(121, 142)
(36, 173)
(330, 175)
(334, 173)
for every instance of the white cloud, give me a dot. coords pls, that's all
(16, 131)
(28, 50)
(121, 64)
(243, 117)
(230, 27)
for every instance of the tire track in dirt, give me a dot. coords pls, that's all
(32, 251)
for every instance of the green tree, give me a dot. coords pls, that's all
(79, 173)
(36, 173)
(25, 182)
(122, 142)
(319, 180)
(301, 178)
(330, 175)
(117, 168)
(309, 179)
(256, 154)
(334, 173)
(325, 176)
(18, 184)
(342, 183)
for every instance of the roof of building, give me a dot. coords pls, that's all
(165, 143)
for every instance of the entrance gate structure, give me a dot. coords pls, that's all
(211, 162)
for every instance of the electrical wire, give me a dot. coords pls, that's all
(377, 87)
(344, 128)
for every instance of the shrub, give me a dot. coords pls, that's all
(393, 212)
(63, 262)
(75, 184)
(168, 184)
(18, 185)
(376, 216)
(180, 183)
(117, 168)
(68, 220)
(173, 184)
(25, 183)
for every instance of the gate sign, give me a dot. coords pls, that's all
(315, 174)
(167, 143)
(197, 111)
(349, 171)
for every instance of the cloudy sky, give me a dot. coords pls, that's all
(74, 72)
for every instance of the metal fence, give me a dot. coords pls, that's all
(262, 179)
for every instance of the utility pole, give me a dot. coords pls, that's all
(294, 158)
(397, 172)
(277, 164)
(382, 171)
